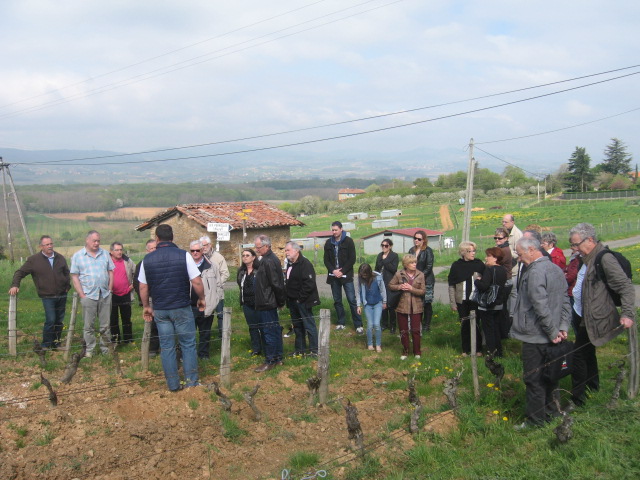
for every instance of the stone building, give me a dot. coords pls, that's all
(189, 222)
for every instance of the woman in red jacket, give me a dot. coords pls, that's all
(549, 242)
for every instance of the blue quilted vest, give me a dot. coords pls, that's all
(167, 277)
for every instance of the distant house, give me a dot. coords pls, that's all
(402, 239)
(358, 216)
(396, 212)
(384, 223)
(349, 193)
(189, 222)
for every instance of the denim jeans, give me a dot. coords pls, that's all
(171, 323)
(102, 310)
(270, 325)
(203, 324)
(54, 308)
(255, 332)
(350, 292)
(373, 313)
(304, 325)
(220, 315)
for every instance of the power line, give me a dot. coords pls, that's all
(558, 129)
(156, 57)
(337, 137)
(537, 175)
(186, 63)
(400, 112)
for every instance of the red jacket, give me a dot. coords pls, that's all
(558, 258)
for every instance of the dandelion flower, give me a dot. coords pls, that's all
(496, 412)
(490, 385)
(505, 418)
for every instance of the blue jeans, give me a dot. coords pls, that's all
(350, 292)
(255, 333)
(270, 325)
(178, 322)
(373, 314)
(203, 324)
(304, 325)
(54, 308)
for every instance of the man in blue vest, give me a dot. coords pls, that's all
(167, 275)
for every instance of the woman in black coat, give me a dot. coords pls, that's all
(387, 266)
(491, 315)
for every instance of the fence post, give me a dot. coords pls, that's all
(323, 355)
(225, 349)
(634, 360)
(144, 348)
(474, 357)
(72, 326)
(13, 334)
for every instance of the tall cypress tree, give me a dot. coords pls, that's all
(616, 159)
(579, 174)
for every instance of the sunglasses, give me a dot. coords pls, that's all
(498, 238)
(418, 238)
(384, 245)
(192, 251)
(247, 255)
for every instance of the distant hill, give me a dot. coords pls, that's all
(63, 166)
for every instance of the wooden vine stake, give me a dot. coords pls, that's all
(72, 326)
(144, 348)
(323, 355)
(225, 349)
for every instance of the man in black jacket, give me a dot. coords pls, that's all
(302, 295)
(270, 295)
(50, 274)
(339, 258)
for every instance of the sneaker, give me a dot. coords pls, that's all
(340, 327)
(403, 357)
(289, 333)
(370, 347)
(417, 357)
(378, 349)
(360, 330)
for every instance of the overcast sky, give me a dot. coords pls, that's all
(137, 75)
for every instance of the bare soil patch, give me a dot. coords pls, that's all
(109, 427)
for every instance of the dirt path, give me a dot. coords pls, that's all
(445, 218)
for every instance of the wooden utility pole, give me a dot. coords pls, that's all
(5, 172)
(466, 228)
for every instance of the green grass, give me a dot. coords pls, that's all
(230, 428)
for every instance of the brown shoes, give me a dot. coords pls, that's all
(265, 367)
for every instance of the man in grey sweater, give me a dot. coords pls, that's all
(541, 319)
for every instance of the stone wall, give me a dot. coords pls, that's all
(185, 230)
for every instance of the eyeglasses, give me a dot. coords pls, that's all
(576, 245)
(192, 251)
(256, 247)
(418, 238)
(384, 245)
(498, 238)
(205, 244)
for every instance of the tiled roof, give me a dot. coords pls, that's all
(320, 234)
(351, 190)
(409, 232)
(262, 215)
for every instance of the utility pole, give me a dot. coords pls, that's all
(466, 228)
(5, 168)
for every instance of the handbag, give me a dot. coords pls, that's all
(393, 298)
(558, 361)
(487, 298)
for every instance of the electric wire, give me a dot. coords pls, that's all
(355, 134)
(372, 117)
(165, 70)
(536, 175)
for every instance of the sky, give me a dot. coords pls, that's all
(135, 76)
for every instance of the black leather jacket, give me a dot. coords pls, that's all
(270, 291)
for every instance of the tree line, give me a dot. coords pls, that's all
(613, 173)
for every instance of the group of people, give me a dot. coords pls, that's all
(538, 297)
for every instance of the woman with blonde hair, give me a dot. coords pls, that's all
(462, 274)
(410, 282)
(425, 258)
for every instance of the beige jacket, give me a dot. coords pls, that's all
(410, 301)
